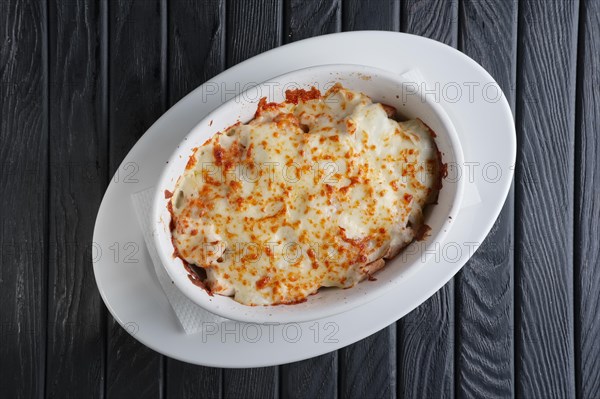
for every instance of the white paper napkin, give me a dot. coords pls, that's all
(191, 316)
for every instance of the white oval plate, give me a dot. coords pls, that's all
(381, 86)
(131, 291)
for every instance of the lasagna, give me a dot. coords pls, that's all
(316, 191)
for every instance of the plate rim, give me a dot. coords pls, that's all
(417, 300)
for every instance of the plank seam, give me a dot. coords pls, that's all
(223, 15)
(338, 374)
(338, 17)
(164, 54)
(164, 74)
(283, 15)
(397, 16)
(517, 206)
(393, 356)
(104, 73)
(579, 62)
(457, 278)
(454, 282)
(46, 278)
(513, 78)
(399, 331)
(573, 94)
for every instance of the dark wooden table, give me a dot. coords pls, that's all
(82, 80)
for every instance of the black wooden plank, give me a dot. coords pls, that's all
(435, 19)
(307, 19)
(185, 380)
(196, 52)
(196, 44)
(257, 383)
(135, 102)
(587, 204)
(544, 342)
(24, 197)
(78, 175)
(367, 369)
(252, 27)
(371, 15)
(312, 378)
(316, 377)
(485, 286)
(426, 335)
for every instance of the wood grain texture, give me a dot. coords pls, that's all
(74, 102)
(23, 195)
(485, 286)
(544, 359)
(435, 19)
(425, 348)
(196, 44)
(257, 383)
(196, 52)
(587, 204)
(78, 166)
(367, 369)
(371, 15)
(254, 27)
(426, 335)
(185, 380)
(307, 19)
(312, 378)
(136, 100)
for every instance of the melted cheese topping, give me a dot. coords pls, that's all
(313, 192)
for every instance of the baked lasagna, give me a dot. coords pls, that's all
(316, 191)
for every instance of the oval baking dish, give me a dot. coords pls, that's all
(380, 86)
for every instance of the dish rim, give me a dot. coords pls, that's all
(248, 314)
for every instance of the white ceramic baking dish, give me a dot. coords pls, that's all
(381, 86)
